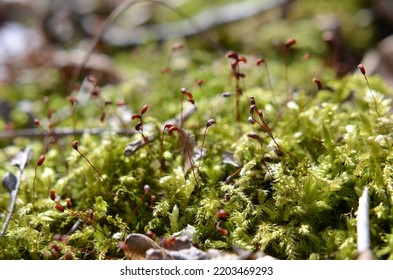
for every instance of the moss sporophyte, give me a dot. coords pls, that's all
(284, 182)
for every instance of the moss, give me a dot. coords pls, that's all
(293, 194)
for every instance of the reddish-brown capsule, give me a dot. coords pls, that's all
(53, 194)
(168, 126)
(41, 160)
(362, 69)
(223, 231)
(201, 82)
(190, 97)
(172, 129)
(290, 43)
(95, 91)
(234, 64)
(69, 202)
(54, 250)
(138, 126)
(168, 242)
(317, 82)
(69, 256)
(37, 122)
(222, 214)
(251, 120)
(240, 75)
(233, 55)
(59, 207)
(260, 61)
(152, 200)
(135, 116)
(144, 109)
(102, 117)
(75, 144)
(91, 215)
(210, 122)
(253, 136)
(242, 59)
(252, 108)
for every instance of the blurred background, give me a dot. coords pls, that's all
(45, 43)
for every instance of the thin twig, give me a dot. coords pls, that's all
(186, 27)
(204, 20)
(60, 132)
(21, 161)
(111, 18)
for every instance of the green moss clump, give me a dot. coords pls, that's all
(293, 194)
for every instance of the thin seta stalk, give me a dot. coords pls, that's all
(39, 163)
(75, 145)
(230, 177)
(235, 66)
(146, 190)
(166, 127)
(139, 126)
(262, 123)
(172, 128)
(257, 138)
(319, 85)
(363, 71)
(202, 152)
(190, 99)
(208, 124)
(263, 61)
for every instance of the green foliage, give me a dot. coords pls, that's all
(297, 200)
